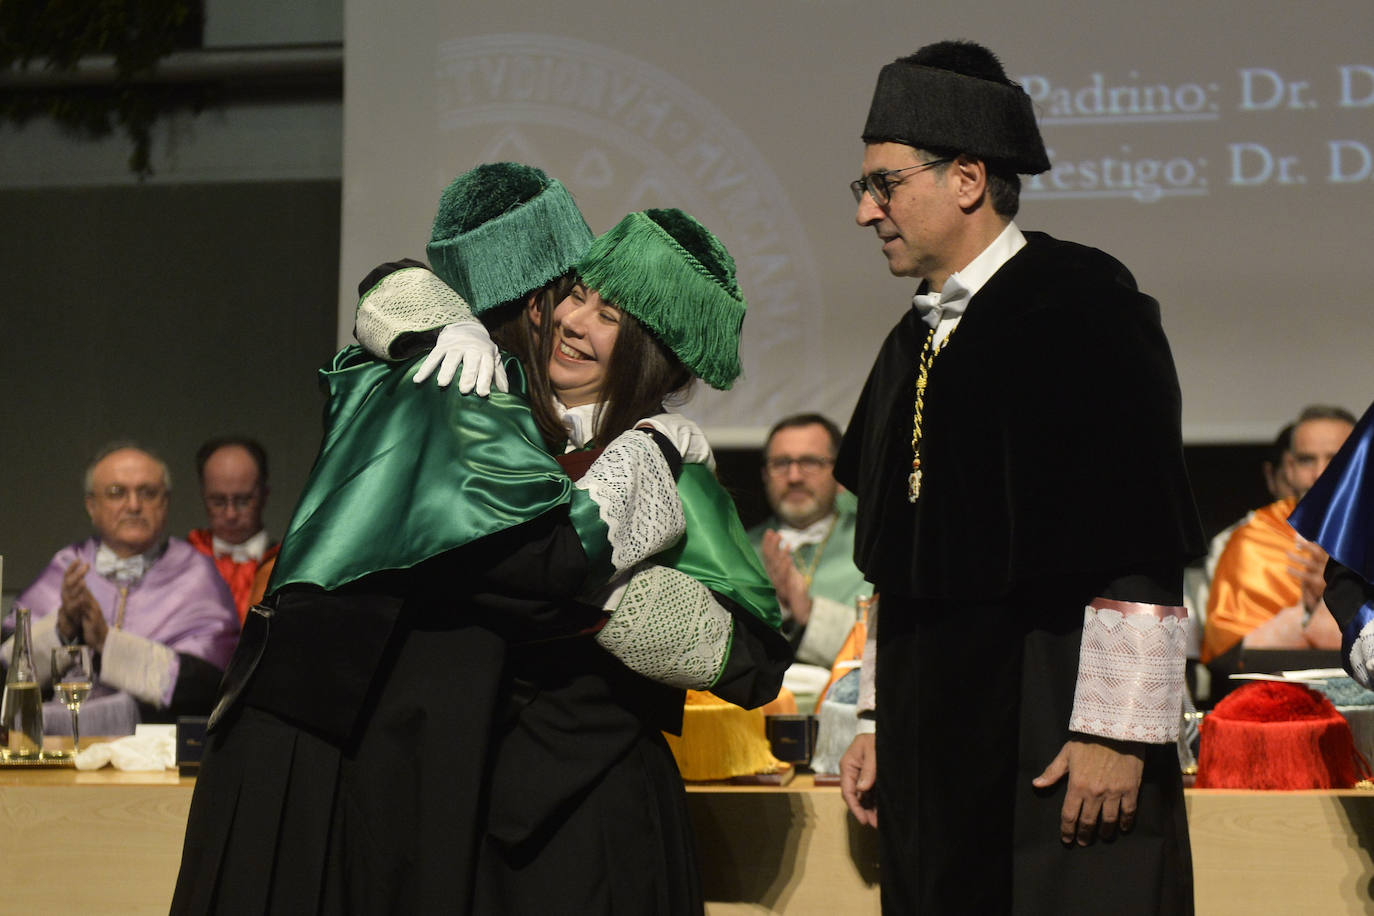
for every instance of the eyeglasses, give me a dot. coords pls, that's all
(220, 503)
(809, 464)
(880, 185)
(118, 493)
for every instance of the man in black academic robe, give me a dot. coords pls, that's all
(1025, 517)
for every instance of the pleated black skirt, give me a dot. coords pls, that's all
(399, 819)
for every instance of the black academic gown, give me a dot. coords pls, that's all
(1053, 474)
(442, 739)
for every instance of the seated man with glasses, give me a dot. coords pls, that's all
(156, 613)
(233, 486)
(807, 544)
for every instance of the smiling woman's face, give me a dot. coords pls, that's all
(585, 328)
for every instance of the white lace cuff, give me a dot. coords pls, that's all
(1360, 659)
(868, 674)
(409, 300)
(668, 627)
(144, 669)
(637, 499)
(1130, 671)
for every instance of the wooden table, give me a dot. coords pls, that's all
(1282, 852)
(91, 842)
(795, 850)
(110, 842)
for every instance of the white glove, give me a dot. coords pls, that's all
(468, 344)
(685, 435)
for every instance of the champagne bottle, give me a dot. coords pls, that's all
(21, 713)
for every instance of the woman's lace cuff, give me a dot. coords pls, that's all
(636, 497)
(668, 627)
(1130, 671)
(144, 669)
(408, 301)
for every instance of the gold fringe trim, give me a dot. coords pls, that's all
(721, 740)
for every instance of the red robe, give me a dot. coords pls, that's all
(239, 575)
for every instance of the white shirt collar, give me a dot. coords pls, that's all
(251, 549)
(578, 421)
(980, 270)
(962, 285)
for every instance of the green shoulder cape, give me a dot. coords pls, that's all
(407, 472)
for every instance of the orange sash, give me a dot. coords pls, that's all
(851, 652)
(1252, 582)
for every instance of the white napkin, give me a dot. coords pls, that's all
(150, 747)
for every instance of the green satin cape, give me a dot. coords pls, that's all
(407, 472)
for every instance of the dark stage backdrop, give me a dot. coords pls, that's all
(166, 314)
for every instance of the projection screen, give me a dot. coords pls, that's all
(1223, 151)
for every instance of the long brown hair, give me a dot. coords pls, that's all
(641, 375)
(514, 332)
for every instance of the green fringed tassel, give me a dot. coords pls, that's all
(689, 299)
(493, 243)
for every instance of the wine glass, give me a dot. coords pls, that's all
(72, 679)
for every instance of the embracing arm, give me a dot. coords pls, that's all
(404, 308)
(670, 628)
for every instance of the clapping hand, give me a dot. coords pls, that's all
(79, 615)
(788, 581)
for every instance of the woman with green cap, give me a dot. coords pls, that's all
(470, 661)
(654, 306)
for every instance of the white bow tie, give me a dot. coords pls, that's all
(251, 549)
(814, 533)
(947, 303)
(124, 570)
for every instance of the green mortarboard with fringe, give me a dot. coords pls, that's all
(670, 272)
(503, 230)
